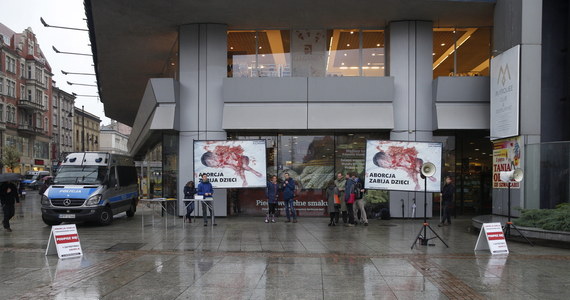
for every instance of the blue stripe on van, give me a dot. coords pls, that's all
(123, 197)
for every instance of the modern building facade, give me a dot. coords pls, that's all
(86, 131)
(317, 79)
(62, 119)
(25, 99)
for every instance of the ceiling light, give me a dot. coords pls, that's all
(348, 45)
(345, 54)
(442, 44)
(231, 48)
(476, 149)
(373, 54)
(342, 64)
(262, 55)
(433, 54)
(352, 32)
(368, 63)
(382, 68)
(377, 45)
(260, 47)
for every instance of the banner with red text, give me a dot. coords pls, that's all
(507, 156)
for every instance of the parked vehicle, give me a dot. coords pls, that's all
(32, 179)
(91, 186)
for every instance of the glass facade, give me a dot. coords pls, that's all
(461, 51)
(548, 168)
(312, 161)
(306, 53)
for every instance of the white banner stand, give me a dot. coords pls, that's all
(64, 240)
(492, 238)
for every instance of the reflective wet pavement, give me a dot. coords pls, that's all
(244, 258)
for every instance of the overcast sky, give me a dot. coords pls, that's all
(19, 15)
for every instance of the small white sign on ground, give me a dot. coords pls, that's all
(64, 240)
(492, 238)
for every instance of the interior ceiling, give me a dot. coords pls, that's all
(133, 39)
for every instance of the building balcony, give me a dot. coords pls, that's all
(29, 129)
(30, 105)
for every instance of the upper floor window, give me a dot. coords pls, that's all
(306, 53)
(38, 74)
(10, 64)
(461, 51)
(1, 85)
(11, 88)
(1, 112)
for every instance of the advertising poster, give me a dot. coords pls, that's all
(505, 94)
(231, 164)
(64, 240)
(395, 165)
(507, 156)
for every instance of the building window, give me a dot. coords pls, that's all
(22, 91)
(38, 74)
(1, 85)
(29, 95)
(461, 51)
(29, 72)
(11, 92)
(2, 112)
(10, 64)
(22, 70)
(264, 53)
(353, 52)
(38, 97)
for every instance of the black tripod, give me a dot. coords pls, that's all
(423, 237)
(509, 224)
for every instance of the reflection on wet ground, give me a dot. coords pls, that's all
(244, 258)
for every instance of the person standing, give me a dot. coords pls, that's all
(359, 201)
(447, 200)
(206, 190)
(333, 203)
(340, 182)
(349, 198)
(288, 195)
(189, 192)
(8, 198)
(272, 193)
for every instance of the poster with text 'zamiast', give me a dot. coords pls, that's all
(396, 165)
(231, 164)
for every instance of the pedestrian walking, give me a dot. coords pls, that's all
(189, 193)
(447, 201)
(8, 198)
(340, 183)
(288, 195)
(206, 190)
(272, 194)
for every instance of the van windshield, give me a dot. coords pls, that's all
(29, 176)
(81, 175)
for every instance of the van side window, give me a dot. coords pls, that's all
(112, 177)
(127, 175)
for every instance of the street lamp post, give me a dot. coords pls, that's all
(82, 129)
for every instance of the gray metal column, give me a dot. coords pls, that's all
(410, 63)
(202, 68)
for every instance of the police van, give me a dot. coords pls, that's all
(93, 187)
(32, 179)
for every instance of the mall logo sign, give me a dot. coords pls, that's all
(503, 74)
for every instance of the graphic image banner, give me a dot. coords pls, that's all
(231, 164)
(394, 165)
(507, 156)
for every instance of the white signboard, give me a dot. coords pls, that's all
(505, 96)
(231, 164)
(394, 165)
(64, 240)
(492, 238)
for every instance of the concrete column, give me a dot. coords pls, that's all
(202, 68)
(410, 63)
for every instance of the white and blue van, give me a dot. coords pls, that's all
(93, 187)
(32, 179)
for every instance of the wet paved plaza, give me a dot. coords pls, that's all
(244, 258)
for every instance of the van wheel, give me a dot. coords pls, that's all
(106, 216)
(132, 210)
(50, 222)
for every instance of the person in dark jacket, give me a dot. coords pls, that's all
(288, 195)
(447, 201)
(349, 190)
(8, 198)
(189, 192)
(272, 194)
(206, 190)
(332, 194)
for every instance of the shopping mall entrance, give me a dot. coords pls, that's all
(467, 158)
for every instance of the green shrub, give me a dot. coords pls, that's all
(557, 219)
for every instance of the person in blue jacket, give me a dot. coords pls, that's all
(205, 189)
(288, 195)
(189, 192)
(272, 194)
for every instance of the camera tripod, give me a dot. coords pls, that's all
(509, 223)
